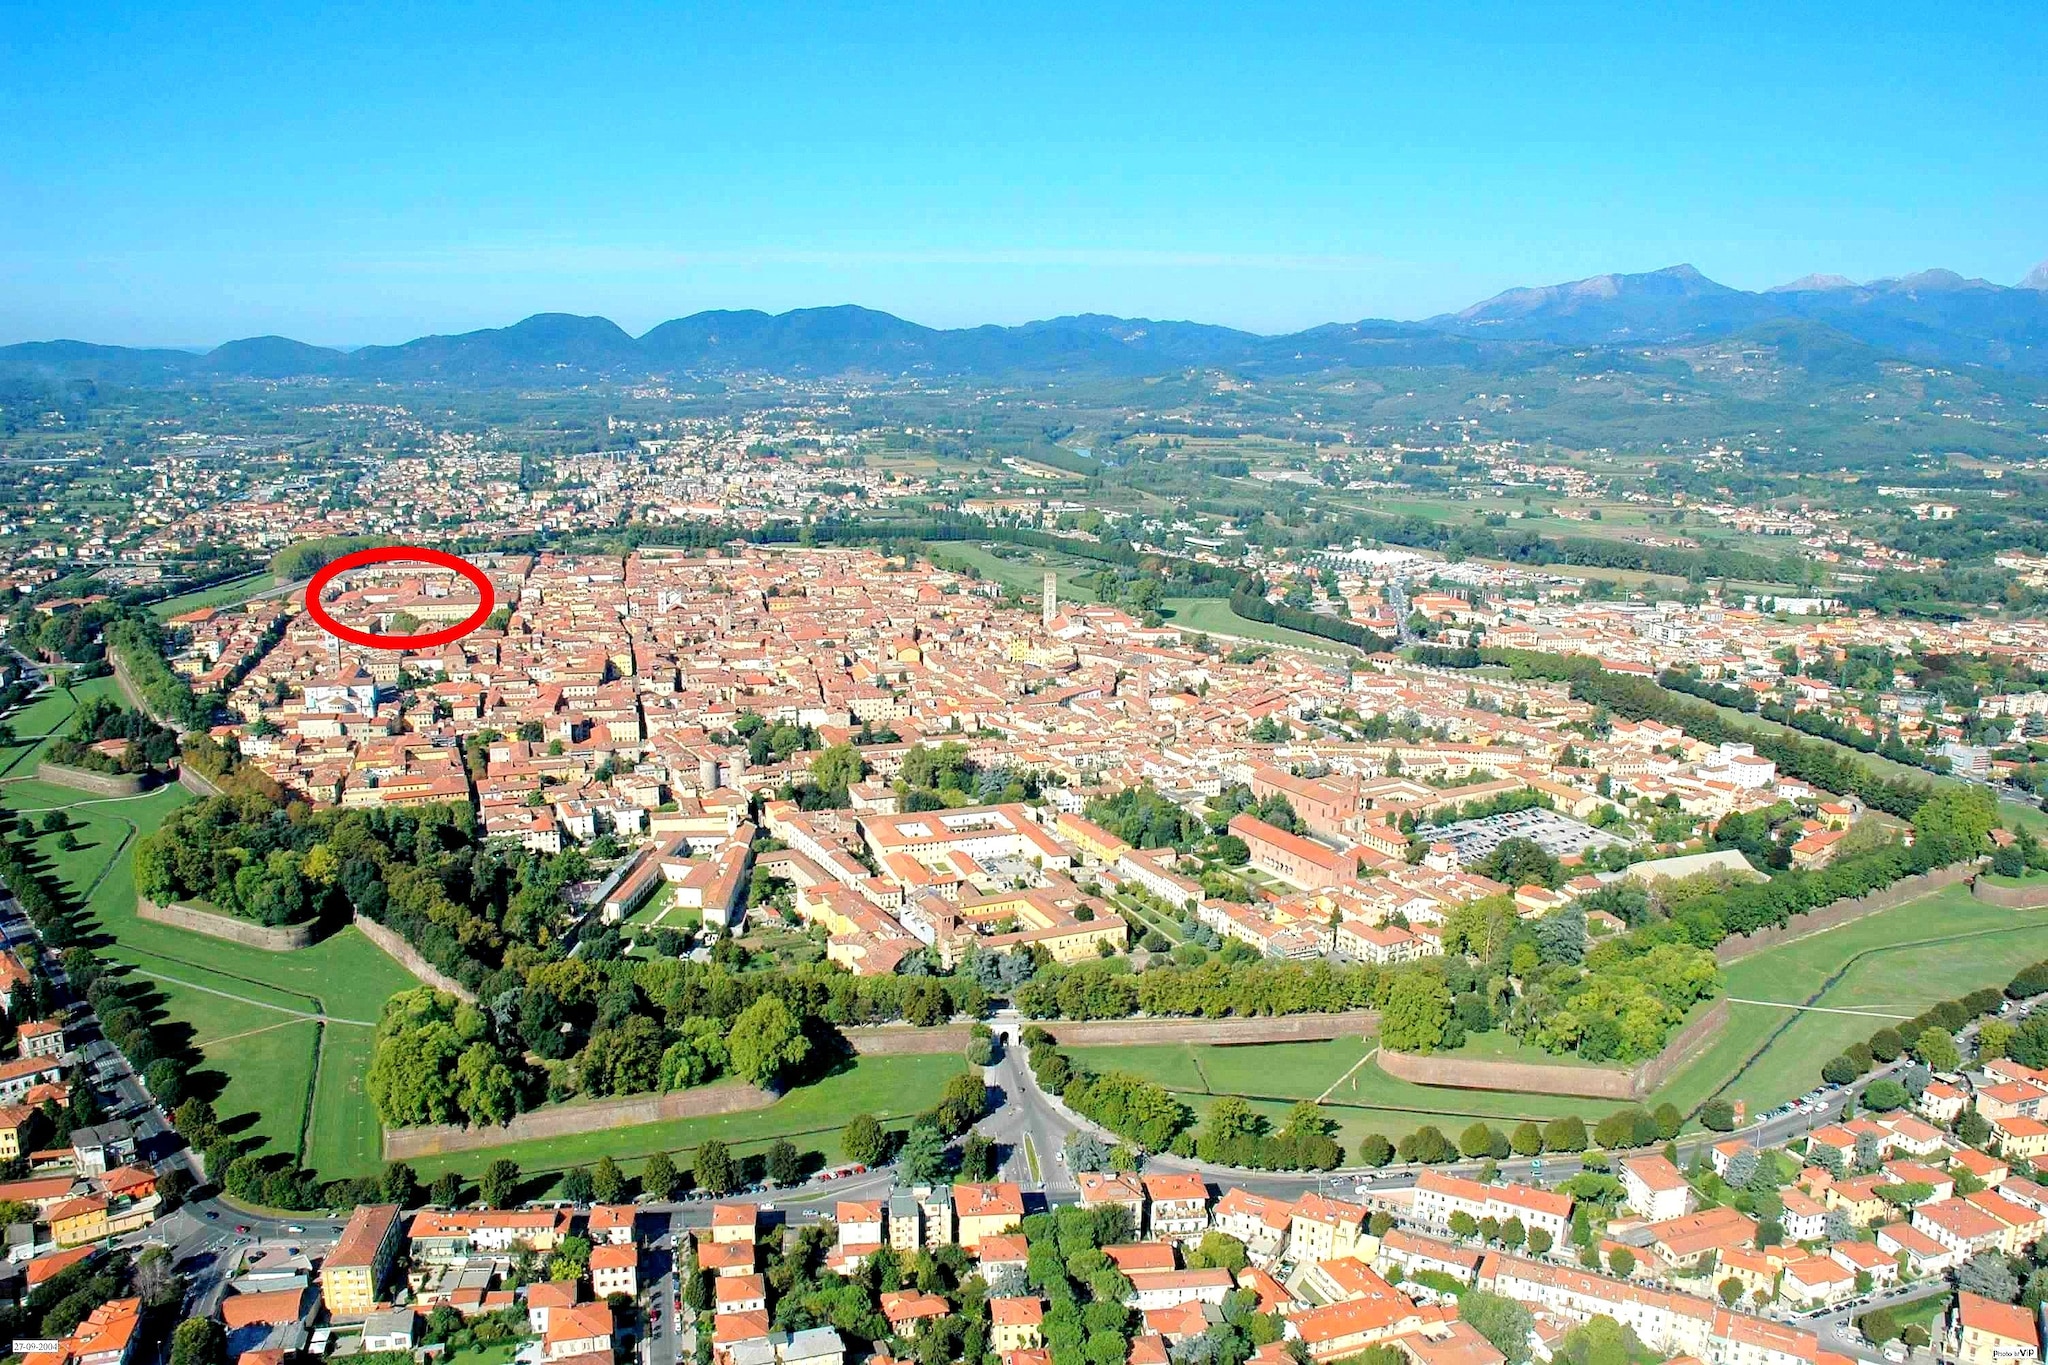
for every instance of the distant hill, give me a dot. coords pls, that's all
(1672, 304)
(272, 358)
(1934, 317)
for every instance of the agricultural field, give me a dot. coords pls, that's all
(1887, 967)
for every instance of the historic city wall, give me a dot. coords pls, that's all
(1842, 911)
(212, 923)
(907, 1040)
(1285, 1028)
(2031, 896)
(406, 956)
(579, 1116)
(196, 782)
(1586, 1082)
(99, 784)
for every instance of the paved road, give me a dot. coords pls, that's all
(1836, 1327)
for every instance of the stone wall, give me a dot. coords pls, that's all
(100, 784)
(1286, 1028)
(906, 1040)
(406, 956)
(1537, 1078)
(214, 924)
(1842, 911)
(196, 782)
(581, 1116)
(2031, 896)
(1685, 1045)
(1529, 1078)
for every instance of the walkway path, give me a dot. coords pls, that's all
(1819, 1009)
(87, 801)
(259, 1004)
(1369, 1052)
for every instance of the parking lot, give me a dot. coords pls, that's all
(1560, 836)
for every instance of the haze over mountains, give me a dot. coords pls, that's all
(1934, 317)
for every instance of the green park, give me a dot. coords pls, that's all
(1791, 1007)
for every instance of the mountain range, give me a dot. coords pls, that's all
(1935, 317)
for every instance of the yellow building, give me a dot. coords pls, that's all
(78, 1221)
(1322, 1229)
(1042, 919)
(2019, 1136)
(1092, 839)
(1992, 1333)
(985, 1211)
(12, 1118)
(352, 1279)
(734, 1222)
(1014, 1324)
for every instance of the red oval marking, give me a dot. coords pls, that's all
(405, 554)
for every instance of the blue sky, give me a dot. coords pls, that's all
(359, 173)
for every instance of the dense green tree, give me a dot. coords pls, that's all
(499, 1187)
(715, 1170)
(1417, 1008)
(1500, 1320)
(660, 1180)
(766, 1042)
(862, 1140)
(199, 1341)
(607, 1181)
(785, 1165)
(922, 1160)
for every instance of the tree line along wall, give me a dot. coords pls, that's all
(1829, 916)
(579, 1116)
(1283, 1028)
(1586, 1082)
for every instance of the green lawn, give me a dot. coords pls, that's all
(500, 1354)
(343, 1136)
(46, 719)
(662, 912)
(1899, 961)
(891, 1088)
(219, 595)
(1213, 614)
(2033, 877)
(1025, 575)
(2017, 815)
(1273, 1076)
(261, 1062)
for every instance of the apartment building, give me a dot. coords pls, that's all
(352, 1277)
(1438, 1196)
